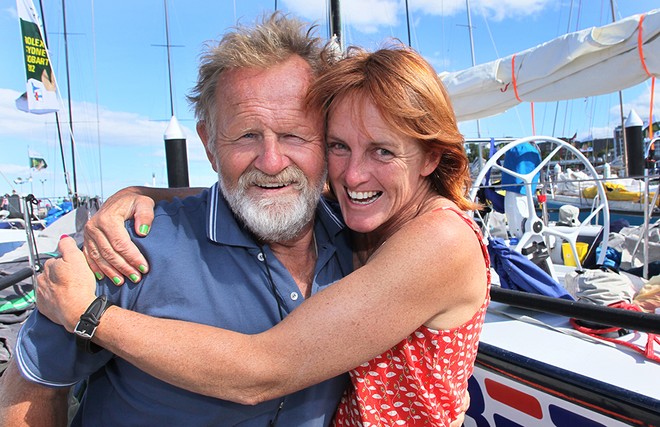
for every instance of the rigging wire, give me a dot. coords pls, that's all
(497, 54)
(59, 95)
(85, 159)
(623, 125)
(68, 91)
(490, 35)
(96, 87)
(412, 31)
(169, 60)
(567, 103)
(469, 18)
(415, 38)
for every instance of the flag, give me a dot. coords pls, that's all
(40, 96)
(37, 161)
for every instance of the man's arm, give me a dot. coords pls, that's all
(108, 247)
(24, 403)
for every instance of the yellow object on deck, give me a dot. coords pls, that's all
(582, 249)
(616, 192)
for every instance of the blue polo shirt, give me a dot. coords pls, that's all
(205, 268)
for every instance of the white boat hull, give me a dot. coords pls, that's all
(504, 400)
(534, 370)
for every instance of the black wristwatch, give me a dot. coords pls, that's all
(88, 323)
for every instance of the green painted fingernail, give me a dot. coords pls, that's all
(117, 280)
(142, 268)
(144, 229)
(134, 278)
(98, 275)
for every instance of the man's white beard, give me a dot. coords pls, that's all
(274, 219)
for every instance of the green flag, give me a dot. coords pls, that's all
(37, 161)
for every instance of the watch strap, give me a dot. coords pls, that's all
(88, 323)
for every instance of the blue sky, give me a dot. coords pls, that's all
(119, 81)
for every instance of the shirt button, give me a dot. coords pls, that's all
(260, 257)
(294, 296)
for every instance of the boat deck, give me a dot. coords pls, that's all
(550, 339)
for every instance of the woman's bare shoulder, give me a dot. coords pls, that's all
(439, 229)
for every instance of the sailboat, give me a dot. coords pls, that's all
(534, 368)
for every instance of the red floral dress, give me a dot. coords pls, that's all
(422, 380)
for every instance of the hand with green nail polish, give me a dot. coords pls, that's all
(108, 246)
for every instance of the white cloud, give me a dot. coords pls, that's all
(369, 16)
(596, 133)
(132, 147)
(442, 8)
(496, 10)
(642, 104)
(314, 11)
(11, 12)
(15, 123)
(13, 169)
(366, 16)
(117, 128)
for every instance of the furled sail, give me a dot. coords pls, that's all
(595, 61)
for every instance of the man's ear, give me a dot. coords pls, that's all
(204, 136)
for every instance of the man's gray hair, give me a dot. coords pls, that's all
(271, 41)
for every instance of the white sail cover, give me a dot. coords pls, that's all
(595, 61)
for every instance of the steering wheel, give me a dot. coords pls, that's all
(534, 228)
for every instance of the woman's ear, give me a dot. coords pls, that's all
(431, 163)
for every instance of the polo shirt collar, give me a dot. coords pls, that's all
(330, 218)
(222, 226)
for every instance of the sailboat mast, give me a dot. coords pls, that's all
(57, 114)
(68, 91)
(408, 24)
(335, 23)
(176, 155)
(623, 123)
(169, 63)
(474, 62)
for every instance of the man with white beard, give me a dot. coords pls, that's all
(240, 255)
